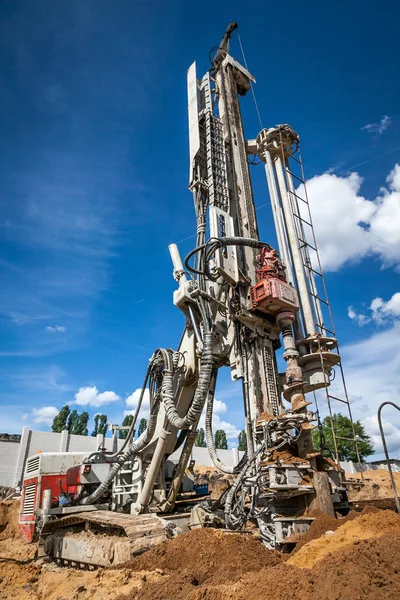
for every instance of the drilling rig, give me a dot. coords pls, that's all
(245, 303)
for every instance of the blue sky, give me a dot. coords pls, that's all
(93, 187)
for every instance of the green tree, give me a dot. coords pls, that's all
(200, 439)
(100, 425)
(127, 422)
(220, 440)
(79, 426)
(343, 429)
(142, 426)
(60, 420)
(72, 417)
(242, 441)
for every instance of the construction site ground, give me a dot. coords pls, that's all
(348, 559)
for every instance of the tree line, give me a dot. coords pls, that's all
(220, 441)
(322, 439)
(77, 423)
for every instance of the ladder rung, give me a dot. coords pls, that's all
(294, 158)
(338, 437)
(306, 244)
(295, 176)
(318, 298)
(313, 270)
(325, 329)
(298, 197)
(338, 399)
(301, 219)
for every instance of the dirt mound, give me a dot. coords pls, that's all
(359, 561)
(12, 545)
(366, 526)
(367, 570)
(9, 513)
(376, 485)
(28, 581)
(217, 482)
(207, 555)
(321, 525)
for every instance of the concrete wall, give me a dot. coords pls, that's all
(9, 452)
(13, 455)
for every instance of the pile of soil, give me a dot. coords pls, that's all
(324, 523)
(361, 562)
(366, 570)
(9, 512)
(368, 526)
(377, 484)
(285, 457)
(210, 555)
(217, 482)
(11, 543)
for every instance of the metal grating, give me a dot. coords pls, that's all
(29, 499)
(32, 464)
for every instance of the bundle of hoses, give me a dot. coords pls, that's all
(210, 438)
(166, 361)
(134, 448)
(208, 249)
(200, 396)
(232, 521)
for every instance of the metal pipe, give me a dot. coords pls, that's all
(278, 217)
(168, 505)
(396, 498)
(302, 287)
(310, 274)
(152, 471)
(195, 325)
(179, 271)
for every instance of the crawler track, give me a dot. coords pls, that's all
(102, 538)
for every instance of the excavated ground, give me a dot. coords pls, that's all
(358, 559)
(376, 485)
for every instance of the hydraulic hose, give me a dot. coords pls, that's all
(231, 521)
(130, 432)
(209, 434)
(203, 385)
(213, 244)
(133, 449)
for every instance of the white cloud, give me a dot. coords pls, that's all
(231, 430)
(133, 399)
(380, 311)
(359, 318)
(45, 414)
(379, 127)
(128, 412)
(56, 328)
(383, 311)
(392, 435)
(90, 396)
(219, 407)
(349, 227)
(371, 369)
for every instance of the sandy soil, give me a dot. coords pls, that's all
(376, 485)
(357, 558)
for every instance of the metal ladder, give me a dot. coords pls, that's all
(291, 159)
